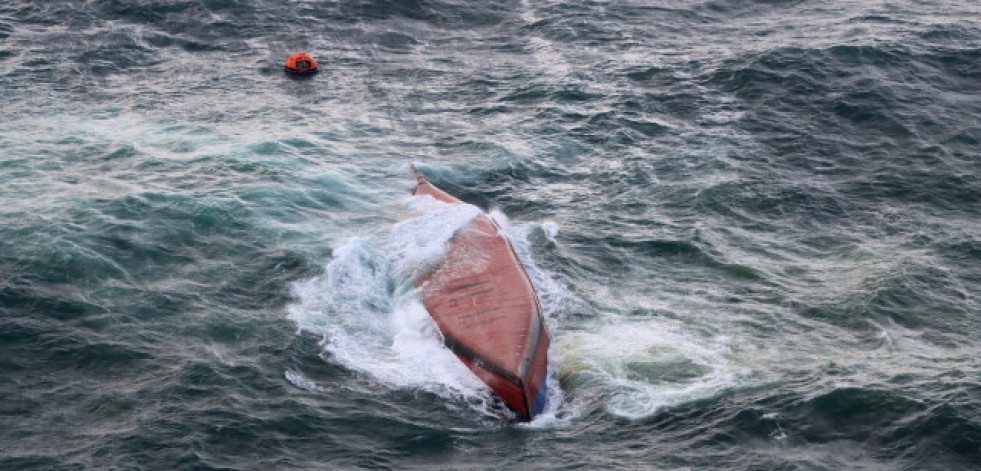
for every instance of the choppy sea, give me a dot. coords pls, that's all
(755, 228)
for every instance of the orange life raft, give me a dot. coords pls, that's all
(301, 63)
(487, 310)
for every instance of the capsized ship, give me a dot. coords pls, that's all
(487, 310)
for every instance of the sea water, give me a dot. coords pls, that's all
(753, 227)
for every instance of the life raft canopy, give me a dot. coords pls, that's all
(301, 63)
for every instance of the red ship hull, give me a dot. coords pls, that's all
(487, 310)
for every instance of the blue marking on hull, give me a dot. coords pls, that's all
(539, 404)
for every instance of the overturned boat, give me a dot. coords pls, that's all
(487, 310)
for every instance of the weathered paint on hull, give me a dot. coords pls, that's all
(487, 310)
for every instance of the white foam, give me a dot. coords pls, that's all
(370, 317)
(416, 243)
(302, 382)
(551, 230)
(638, 367)
(556, 414)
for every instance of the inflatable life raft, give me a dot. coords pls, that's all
(301, 64)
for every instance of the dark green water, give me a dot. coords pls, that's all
(755, 228)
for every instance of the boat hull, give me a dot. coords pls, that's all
(487, 310)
